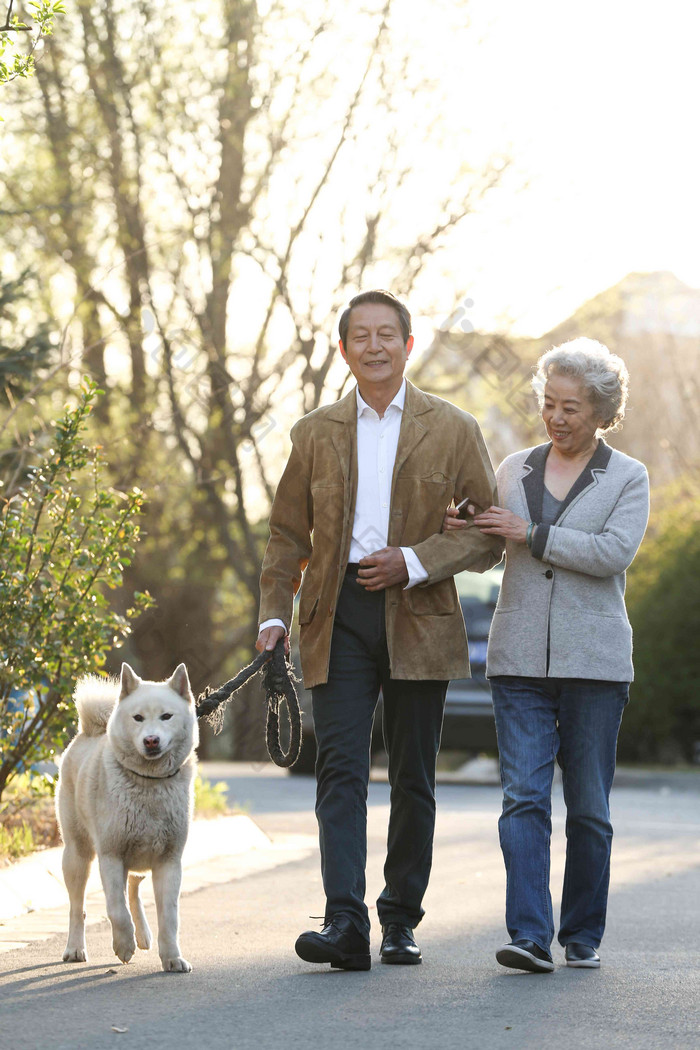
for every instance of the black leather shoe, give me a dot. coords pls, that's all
(339, 943)
(398, 945)
(525, 955)
(581, 955)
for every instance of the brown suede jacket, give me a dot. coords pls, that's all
(441, 456)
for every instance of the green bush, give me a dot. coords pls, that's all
(662, 721)
(27, 816)
(16, 842)
(64, 541)
(210, 800)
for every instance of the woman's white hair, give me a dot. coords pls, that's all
(604, 376)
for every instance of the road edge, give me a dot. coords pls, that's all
(35, 883)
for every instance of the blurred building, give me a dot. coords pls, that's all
(652, 320)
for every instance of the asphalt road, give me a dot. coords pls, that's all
(249, 991)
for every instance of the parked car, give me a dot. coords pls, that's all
(468, 724)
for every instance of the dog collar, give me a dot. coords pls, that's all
(147, 776)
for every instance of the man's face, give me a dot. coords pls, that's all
(375, 352)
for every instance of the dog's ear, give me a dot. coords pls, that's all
(130, 681)
(180, 683)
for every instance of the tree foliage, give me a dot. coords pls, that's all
(14, 60)
(24, 354)
(64, 541)
(207, 185)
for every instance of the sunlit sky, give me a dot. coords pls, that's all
(598, 105)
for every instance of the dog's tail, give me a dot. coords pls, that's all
(95, 698)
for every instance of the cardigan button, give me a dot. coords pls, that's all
(549, 574)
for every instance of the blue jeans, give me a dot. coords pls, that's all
(576, 722)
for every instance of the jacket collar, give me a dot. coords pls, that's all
(417, 403)
(533, 482)
(398, 401)
(345, 410)
(413, 429)
(344, 440)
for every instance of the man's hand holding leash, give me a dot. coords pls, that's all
(269, 637)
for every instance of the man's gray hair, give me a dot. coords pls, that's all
(604, 376)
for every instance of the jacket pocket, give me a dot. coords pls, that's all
(436, 477)
(307, 609)
(438, 599)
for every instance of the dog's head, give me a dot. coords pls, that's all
(153, 727)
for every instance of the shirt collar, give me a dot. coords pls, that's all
(398, 401)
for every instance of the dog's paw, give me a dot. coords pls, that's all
(144, 940)
(75, 954)
(124, 946)
(176, 965)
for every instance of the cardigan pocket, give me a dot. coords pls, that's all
(601, 640)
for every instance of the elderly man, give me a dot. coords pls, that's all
(358, 512)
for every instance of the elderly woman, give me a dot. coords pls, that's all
(573, 513)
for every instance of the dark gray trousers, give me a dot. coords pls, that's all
(343, 716)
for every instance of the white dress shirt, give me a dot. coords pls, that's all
(377, 441)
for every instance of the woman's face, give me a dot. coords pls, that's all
(569, 417)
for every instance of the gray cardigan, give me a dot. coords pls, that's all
(569, 590)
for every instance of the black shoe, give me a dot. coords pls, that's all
(398, 945)
(581, 955)
(525, 955)
(339, 943)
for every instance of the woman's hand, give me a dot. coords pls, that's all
(497, 521)
(452, 520)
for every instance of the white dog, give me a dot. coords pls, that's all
(125, 793)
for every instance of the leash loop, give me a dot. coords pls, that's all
(278, 680)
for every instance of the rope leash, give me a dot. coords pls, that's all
(278, 681)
